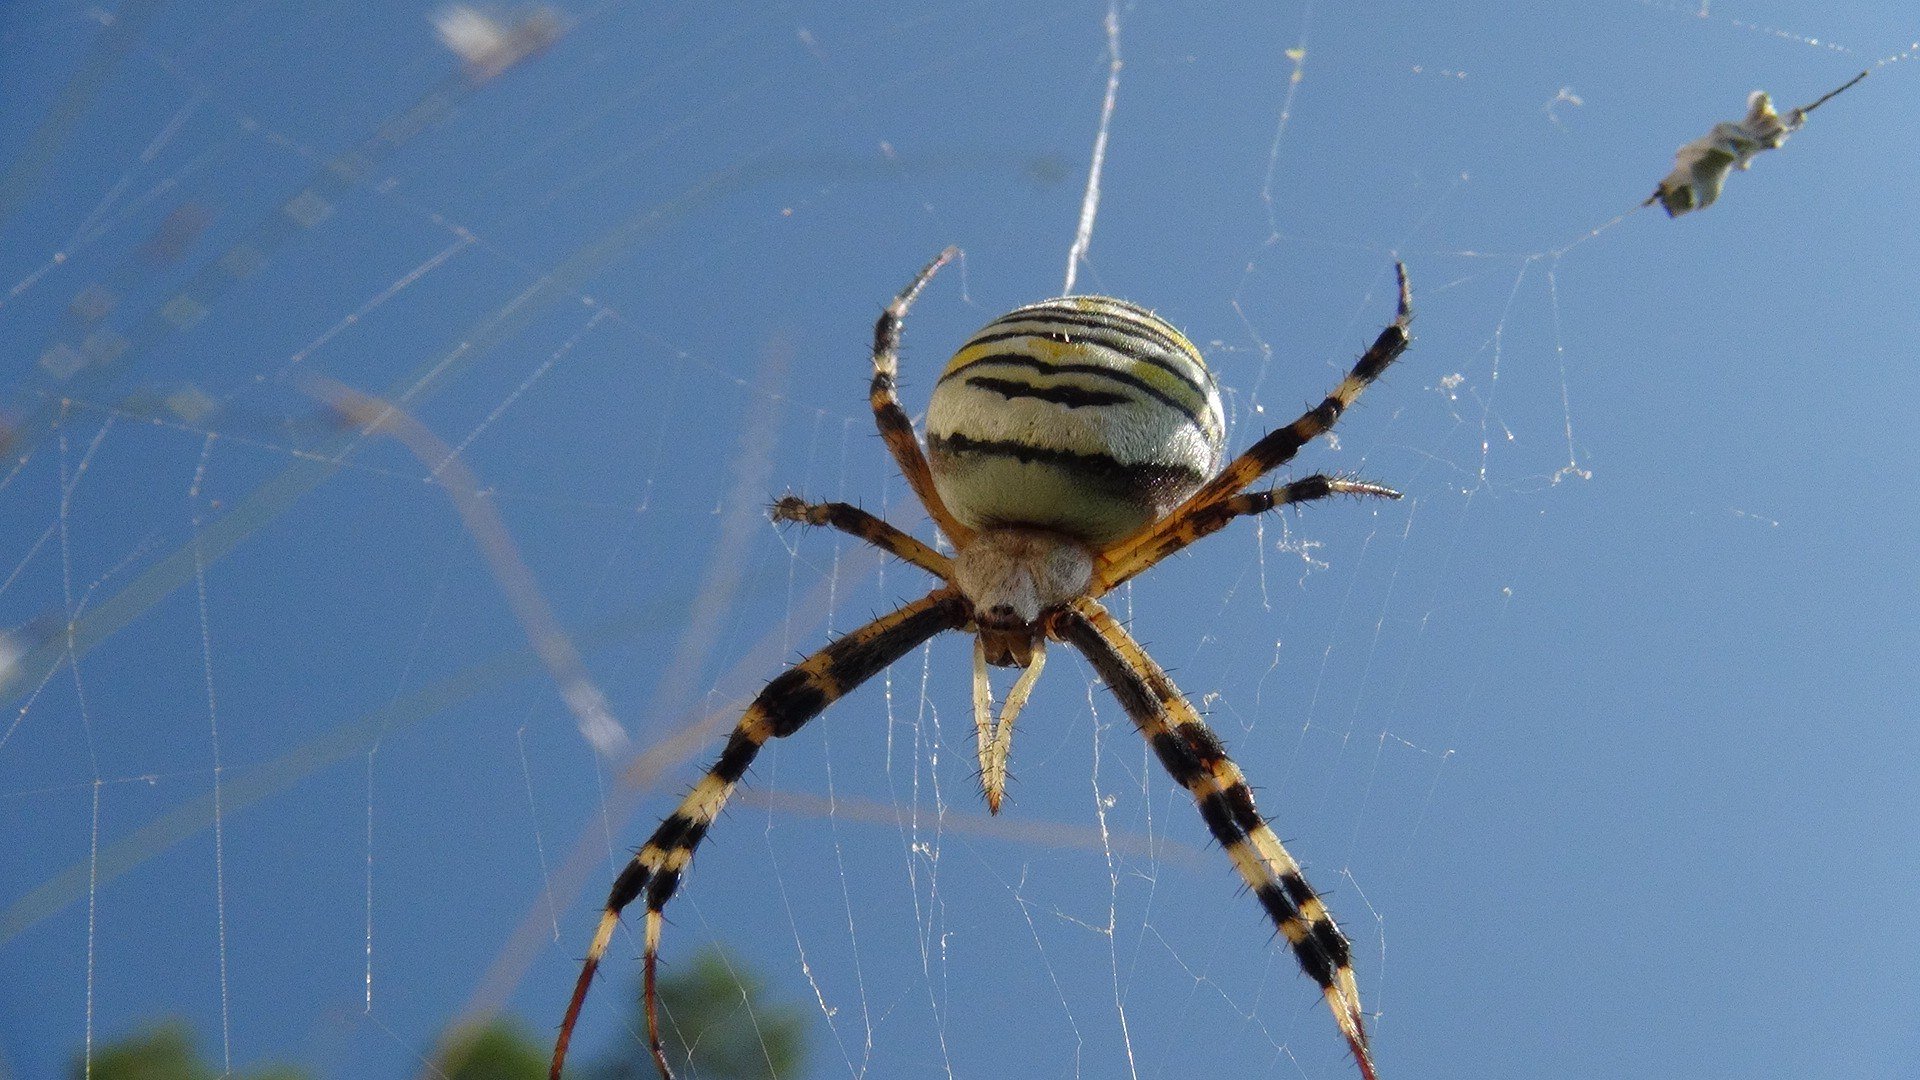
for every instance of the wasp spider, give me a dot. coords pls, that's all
(1071, 444)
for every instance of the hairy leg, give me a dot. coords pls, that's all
(857, 522)
(1197, 761)
(1207, 520)
(895, 426)
(781, 709)
(1279, 446)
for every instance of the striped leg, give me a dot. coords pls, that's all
(895, 426)
(787, 703)
(857, 522)
(1210, 519)
(1197, 761)
(1277, 447)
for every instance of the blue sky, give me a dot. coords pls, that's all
(1600, 742)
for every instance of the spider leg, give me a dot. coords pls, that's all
(857, 522)
(1197, 761)
(1274, 449)
(782, 708)
(895, 426)
(1210, 519)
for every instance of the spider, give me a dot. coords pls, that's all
(1071, 445)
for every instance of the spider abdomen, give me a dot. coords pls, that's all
(1084, 414)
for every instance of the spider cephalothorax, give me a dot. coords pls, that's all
(1010, 575)
(1074, 443)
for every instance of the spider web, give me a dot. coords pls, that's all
(325, 739)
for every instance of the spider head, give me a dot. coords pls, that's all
(1012, 575)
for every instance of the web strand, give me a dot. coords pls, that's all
(1090, 201)
(578, 274)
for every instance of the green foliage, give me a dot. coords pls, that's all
(717, 1025)
(165, 1052)
(496, 1050)
(716, 1007)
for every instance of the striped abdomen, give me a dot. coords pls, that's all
(1085, 415)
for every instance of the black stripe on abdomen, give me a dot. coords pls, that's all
(1094, 371)
(1129, 324)
(1073, 397)
(1104, 470)
(1117, 338)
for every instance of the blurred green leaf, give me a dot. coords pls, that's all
(496, 1050)
(165, 1052)
(717, 1025)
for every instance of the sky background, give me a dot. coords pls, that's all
(1601, 743)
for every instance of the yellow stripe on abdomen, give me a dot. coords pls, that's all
(1086, 415)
